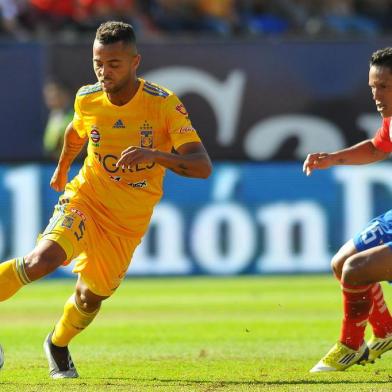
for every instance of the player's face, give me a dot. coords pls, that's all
(380, 82)
(115, 66)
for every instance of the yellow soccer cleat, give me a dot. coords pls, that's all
(341, 357)
(378, 346)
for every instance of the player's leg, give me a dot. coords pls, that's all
(373, 265)
(344, 353)
(15, 273)
(338, 260)
(358, 302)
(377, 232)
(380, 318)
(368, 267)
(79, 311)
(101, 269)
(381, 322)
(360, 271)
(69, 228)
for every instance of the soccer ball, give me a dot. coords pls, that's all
(1, 357)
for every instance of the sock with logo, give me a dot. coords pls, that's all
(73, 321)
(380, 319)
(357, 303)
(12, 277)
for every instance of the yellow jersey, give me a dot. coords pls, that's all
(122, 200)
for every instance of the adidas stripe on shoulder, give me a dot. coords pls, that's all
(154, 89)
(89, 89)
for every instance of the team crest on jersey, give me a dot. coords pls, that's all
(146, 136)
(67, 222)
(95, 136)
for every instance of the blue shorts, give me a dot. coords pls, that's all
(377, 232)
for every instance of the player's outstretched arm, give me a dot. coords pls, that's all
(359, 154)
(73, 144)
(192, 159)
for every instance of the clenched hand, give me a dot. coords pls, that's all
(59, 179)
(134, 155)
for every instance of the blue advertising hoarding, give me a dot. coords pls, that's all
(22, 108)
(245, 219)
(247, 92)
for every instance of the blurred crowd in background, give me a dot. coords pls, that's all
(40, 19)
(71, 20)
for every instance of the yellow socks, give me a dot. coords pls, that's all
(73, 321)
(12, 277)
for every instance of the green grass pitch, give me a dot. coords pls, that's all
(189, 334)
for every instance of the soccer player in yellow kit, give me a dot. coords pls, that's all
(132, 127)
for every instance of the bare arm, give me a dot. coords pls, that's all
(73, 144)
(192, 159)
(359, 154)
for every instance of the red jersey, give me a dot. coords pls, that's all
(383, 138)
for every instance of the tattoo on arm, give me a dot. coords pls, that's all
(181, 170)
(73, 147)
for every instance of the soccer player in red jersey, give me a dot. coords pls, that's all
(366, 259)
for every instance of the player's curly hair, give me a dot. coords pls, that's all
(382, 57)
(113, 31)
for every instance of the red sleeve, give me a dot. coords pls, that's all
(382, 139)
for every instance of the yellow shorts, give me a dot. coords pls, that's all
(102, 258)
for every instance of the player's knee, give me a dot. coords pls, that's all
(88, 301)
(337, 264)
(351, 272)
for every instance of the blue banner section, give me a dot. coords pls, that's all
(245, 219)
(22, 107)
(256, 100)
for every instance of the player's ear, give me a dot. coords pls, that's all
(136, 61)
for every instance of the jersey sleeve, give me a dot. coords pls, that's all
(178, 124)
(77, 121)
(382, 139)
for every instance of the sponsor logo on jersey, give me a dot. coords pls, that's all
(95, 136)
(181, 109)
(138, 184)
(109, 164)
(186, 130)
(79, 213)
(119, 124)
(67, 222)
